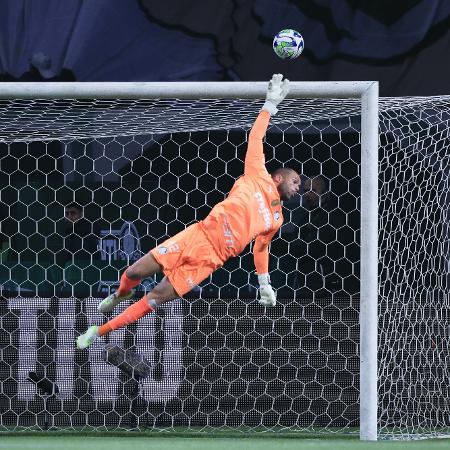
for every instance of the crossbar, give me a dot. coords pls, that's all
(183, 90)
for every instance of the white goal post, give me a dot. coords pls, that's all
(65, 124)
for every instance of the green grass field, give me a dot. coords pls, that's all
(47, 441)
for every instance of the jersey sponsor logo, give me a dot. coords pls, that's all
(263, 210)
(227, 234)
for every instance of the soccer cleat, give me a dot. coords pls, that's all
(110, 302)
(86, 339)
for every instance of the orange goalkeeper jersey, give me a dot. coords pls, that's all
(252, 209)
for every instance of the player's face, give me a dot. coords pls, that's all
(289, 186)
(72, 214)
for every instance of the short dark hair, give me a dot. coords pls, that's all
(283, 171)
(74, 205)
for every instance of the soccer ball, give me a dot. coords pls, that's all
(288, 44)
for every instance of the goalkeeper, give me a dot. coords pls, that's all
(252, 210)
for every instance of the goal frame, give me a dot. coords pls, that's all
(365, 91)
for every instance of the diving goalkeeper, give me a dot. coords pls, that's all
(252, 211)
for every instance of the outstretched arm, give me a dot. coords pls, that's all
(261, 253)
(255, 162)
(254, 159)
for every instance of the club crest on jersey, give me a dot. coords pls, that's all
(276, 215)
(172, 247)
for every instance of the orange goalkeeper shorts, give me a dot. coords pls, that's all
(187, 258)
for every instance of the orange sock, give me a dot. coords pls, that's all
(131, 314)
(126, 284)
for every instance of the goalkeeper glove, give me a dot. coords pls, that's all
(276, 92)
(266, 293)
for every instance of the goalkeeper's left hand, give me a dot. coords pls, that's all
(276, 92)
(266, 292)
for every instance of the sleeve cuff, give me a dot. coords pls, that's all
(264, 279)
(270, 107)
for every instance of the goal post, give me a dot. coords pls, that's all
(146, 159)
(369, 264)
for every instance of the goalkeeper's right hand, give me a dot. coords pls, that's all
(276, 92)
(267, 295)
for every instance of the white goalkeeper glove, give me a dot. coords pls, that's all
(276, 92)
(266, 293)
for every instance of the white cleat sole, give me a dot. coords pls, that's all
(86, 339)
(110, 302)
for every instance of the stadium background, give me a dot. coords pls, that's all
(399, 45)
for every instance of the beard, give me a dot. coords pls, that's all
(283, 192)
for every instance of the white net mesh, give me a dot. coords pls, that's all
(142, 171)
(414, 242)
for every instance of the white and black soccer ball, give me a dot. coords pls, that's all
(288, 44)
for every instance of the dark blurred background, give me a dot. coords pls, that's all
(403, 44)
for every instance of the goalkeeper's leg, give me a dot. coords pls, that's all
(131, 277)
(160, 294)
(187, 258)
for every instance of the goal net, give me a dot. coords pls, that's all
(135, 172)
